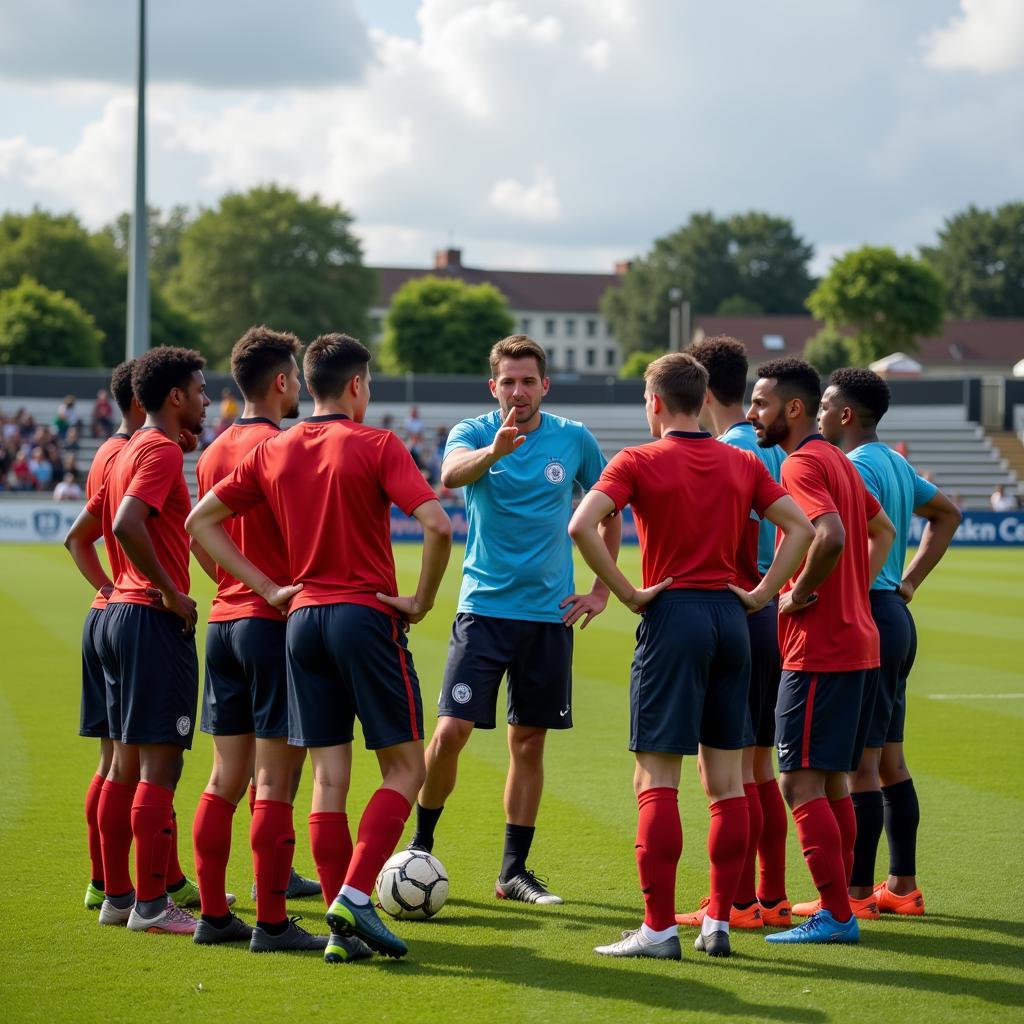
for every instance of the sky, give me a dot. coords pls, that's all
(532, 134)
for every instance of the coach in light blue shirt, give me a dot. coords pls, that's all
(519, 467)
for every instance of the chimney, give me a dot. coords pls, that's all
(621, 266)
(448, 259)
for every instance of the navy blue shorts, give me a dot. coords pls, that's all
(152, 675)
(898, 646)
(93, 719)
(765, 671)
(246, 685)
(536, 657)
(691, 674)
(818, 721)
(348, 661)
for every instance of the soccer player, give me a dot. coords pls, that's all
(518, 604)
(330, 482)
(827, 638)
(692, 498)
(882, 788)
(725, 359)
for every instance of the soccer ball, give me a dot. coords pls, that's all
(412, 885)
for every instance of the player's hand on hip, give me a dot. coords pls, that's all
(582, 606)
(408, 607)
(748, 598)
(788, 605)
(906, 591)
(640, 599)
(281, 597)
(508, 438)
(184, 607)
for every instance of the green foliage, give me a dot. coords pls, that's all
(443, 325)
(738, 305)
(164, 230)
(980, 258)
(270, 256)
(750, 261)
(829, 350)
(636, 363)
(41, 327)
(888, 301)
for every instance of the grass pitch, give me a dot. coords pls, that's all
(484, 960)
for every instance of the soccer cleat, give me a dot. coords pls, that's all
(820, 928)
(635, 943)
(526, 887)
(342, 949)
(714, 944)
(778, 916)
(298, 887)
(93, 897)
(748, 917)
(109, 914)
(207, 934)
(292, 938)
(346, 918)
(172, 920)
(889, 903)
(866, 909)
(188, 895)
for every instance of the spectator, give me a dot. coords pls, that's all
(67, 416)
(20, 476)
(228, 410)
(72, 439)
(413, 423)
(1001, 501)
(41, 469)
(102, 416)
(387, 422)
(68, 489)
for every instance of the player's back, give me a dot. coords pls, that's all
(99, 470)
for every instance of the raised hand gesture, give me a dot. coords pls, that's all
(508, 438)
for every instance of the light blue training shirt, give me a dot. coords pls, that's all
(518, 561)
(899, 490)
(742, 435)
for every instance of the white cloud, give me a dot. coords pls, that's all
(538, 201)
(987, 36)
(596, 54)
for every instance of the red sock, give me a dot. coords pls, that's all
(175, 872)
(92, 827)
(380, 828)
(211, 844)
(727, 849)
(272, 835)
(846, 819)
(659, 845)
(153, 829)
(746, 891)
(818, 832)
(114, 819)
(771, 847)
(331, 844)
(252, 798)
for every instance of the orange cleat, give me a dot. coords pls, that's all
(865, 909)
(779, 916)
(889, 903)
(749, 917)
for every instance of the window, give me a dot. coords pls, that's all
(773, 342)
(591, 328)
(609, 357)
(591, 357)
(376, 326)
(549, 327)
(570, 359)
(570, 328)
(524, 325)
(551, 357)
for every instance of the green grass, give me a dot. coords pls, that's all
(481, 960)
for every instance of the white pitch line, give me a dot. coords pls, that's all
(976, 696)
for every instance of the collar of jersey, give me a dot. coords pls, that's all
(807, 440)
(742, 423)
(121, 433)
(690, 435)
(248, 421)
(327, 417)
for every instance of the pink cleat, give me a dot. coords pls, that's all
(172, 920)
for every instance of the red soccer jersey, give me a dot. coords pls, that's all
(149, 468)
(837, 633)
(101, 463)
(330, 483)
(691, 498)
(256, 533)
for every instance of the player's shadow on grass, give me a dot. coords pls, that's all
(937, 947)
(1014, 929)
(513, 915)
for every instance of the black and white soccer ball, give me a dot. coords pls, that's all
(413, 885)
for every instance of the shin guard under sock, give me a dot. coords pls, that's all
(659, 845)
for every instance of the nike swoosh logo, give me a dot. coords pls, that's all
(562, 714)
(495, 472)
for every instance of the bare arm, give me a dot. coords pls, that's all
(202, 556)
(464, 466)
(943, 519)
(437, 546)
(81, 544)
(822, 556)
(881, 534)
(586, 606)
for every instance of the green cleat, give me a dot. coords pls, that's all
(345, 918)
(93, 897)
(187, 895)
(342, 949)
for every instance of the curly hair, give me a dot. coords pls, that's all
(725, 359)
(865, 391)
(331, 361)
(794, 379)
(679, 380)
(157, 372)
(121, 385)
(259, 356)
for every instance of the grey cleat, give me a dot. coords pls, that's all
(635, 943)
(293, 937)
(109, 914)
(715, 944)
(525, 888)
(298, 887)
(342, 949)
(207, 934)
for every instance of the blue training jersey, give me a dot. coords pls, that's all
(742, 435)
(899, 490)
(518, 561)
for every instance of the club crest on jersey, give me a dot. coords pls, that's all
(461, 693)
(554, 472)
(184, 724)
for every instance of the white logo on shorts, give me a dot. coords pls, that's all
(184, 724)
(554, 471)
(461, 693)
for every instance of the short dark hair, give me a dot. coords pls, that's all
(518, 346)
(259, 356)
(121, 385)
(679, 380)
(331, 361)
(794, 379)
(157, 372)
(725, 359)
(865, 391)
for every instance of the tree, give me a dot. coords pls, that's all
(751, 261)
(980, 258)
(886, 300)
(41, 327)
(443, 325)
(828, 350)
(636, 363)
(270, 256)
(164, 230)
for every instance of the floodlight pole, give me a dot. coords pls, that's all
(138, 251)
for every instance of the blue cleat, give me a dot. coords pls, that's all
(346, 918)
(820, 928)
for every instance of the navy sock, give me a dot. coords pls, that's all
(868, 808)
(273, 927)
(518, 839)
(902, 816)
(150, 908)
(217, 920)
(426, 822)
